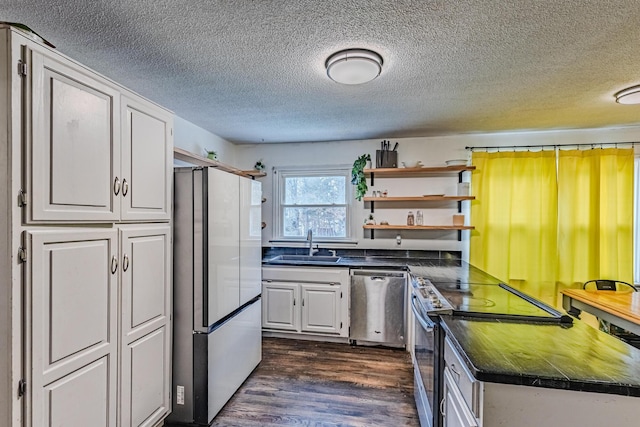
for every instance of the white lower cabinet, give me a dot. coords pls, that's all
(305, 300)
(320, 308)
(457, 413)
(80, 282)
(145, 332)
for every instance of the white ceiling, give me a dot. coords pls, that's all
(253, 70)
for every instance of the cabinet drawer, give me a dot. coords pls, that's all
(468, 385)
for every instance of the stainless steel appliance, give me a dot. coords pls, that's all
(377, 308)
(431, 300)
(217, 285)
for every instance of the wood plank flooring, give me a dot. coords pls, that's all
(308, 383)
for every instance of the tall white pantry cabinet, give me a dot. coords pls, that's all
(85, 245)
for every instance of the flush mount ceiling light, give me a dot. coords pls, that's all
(628, 96)
(354, 66)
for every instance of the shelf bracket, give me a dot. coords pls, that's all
(372, 208)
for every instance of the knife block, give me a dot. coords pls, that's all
(386, 159)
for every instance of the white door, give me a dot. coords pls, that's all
(250, 239)
(147, 161)
(72, 318)
(320, 308)
(280, 302)
(145, 258)
(223, 208)
(73, 154)
(456, 412)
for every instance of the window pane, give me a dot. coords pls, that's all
(315, 190)
(325, 222)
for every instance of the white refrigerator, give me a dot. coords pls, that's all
(217, 285)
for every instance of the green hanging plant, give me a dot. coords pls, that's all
(357, 175)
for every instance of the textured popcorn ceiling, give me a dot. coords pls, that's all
(253, 70)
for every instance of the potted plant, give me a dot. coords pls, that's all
(357, 175)
(212, 155)
(259, 166)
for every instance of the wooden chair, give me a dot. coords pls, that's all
(609, 285)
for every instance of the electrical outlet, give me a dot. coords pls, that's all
(180, 395)
(398, 240)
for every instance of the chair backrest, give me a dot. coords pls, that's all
(609, 285)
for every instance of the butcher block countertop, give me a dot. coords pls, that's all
(625, 305)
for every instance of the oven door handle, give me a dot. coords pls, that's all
(427, 323)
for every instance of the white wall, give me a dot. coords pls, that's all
(432, 151)
(193, 138)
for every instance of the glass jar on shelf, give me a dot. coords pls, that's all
(410, 218)
(419, 218)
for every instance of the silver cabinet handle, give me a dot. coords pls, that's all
(455, 371)
(442, 404)
(114, 264)
(125, 187)
(125, 262)
(116, 186)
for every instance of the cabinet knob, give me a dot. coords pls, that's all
(125, 187)
(116, 186)
(125, 262)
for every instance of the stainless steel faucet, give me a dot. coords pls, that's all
(310, 240)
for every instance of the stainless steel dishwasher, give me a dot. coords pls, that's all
(377, 308)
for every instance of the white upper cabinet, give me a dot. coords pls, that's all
(96, 153)
(147, 159)
(73, 153)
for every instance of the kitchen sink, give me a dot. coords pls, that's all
(305, 258)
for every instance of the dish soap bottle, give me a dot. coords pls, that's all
(410, 218)
(419, 218)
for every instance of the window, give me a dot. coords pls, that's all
(312, 199)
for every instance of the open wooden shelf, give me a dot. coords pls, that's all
(400, 172)
(417, 227)
(194, 159)
(418, 199)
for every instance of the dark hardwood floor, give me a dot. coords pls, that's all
(308, 383)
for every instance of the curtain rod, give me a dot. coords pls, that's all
(554, 146)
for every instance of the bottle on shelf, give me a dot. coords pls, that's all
(410, 218)
(419, 218)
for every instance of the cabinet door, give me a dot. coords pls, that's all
(280, 306)
(145, 325)
(147, 161)
(71, 315)
(223, 231)
(456, 412)
(320, 308)
(250, 239)
(73, 154)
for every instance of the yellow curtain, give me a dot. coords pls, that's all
(515, 216)
(595, 215)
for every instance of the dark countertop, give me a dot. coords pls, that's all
(578, 357)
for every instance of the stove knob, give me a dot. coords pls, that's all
(437, 304)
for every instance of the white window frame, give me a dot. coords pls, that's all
(281, 173)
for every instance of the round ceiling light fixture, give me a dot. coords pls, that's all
(354, 66)
(630, 95)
